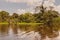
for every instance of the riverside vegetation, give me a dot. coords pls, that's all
(45, 22)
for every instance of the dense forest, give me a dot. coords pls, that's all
(42, 21)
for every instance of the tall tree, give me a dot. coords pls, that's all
(46, 17)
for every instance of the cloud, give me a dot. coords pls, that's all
(51, 3)
(1, 10)
(29, 2)
(15, 1)
(51, 0)
(20, 11)
(57, 8)
(47, 3)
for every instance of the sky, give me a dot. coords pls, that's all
(21, 6)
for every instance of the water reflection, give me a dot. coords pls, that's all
(4, 29)
(18, 32)
(14, 29)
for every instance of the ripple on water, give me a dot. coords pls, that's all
(28, 36)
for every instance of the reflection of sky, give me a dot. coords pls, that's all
(12, 7)
(32, 36)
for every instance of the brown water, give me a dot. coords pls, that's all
(14, 33)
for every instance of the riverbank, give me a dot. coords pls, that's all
(19, 23)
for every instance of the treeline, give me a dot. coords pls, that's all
(43, 16)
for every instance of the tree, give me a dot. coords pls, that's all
(14, 18)
(46, 17)
(4, 16)
(27, 18)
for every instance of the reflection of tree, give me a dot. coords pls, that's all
(14, 29)
(4, 29)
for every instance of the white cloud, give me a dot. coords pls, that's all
(47, 3)
(20, 11)
(57, 8)
(24, 1)
(30, 2)
(51, 0)
(15, 1)
(51, 3)
(0, 9)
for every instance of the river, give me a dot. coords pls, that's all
(22, 36)
(13, 32)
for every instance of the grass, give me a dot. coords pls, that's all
(30, 23)
(20, 23)
(4, 23)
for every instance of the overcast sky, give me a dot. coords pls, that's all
(22, 5)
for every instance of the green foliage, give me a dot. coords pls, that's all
(4, 16)
(26, 18)
(14, 18)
